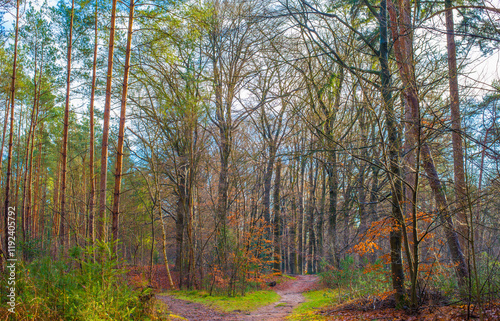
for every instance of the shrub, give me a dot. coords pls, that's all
(78, 288)
(355, 281)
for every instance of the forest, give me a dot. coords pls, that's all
(251, 159)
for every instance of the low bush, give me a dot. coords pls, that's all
(355, 282)
(78, 288)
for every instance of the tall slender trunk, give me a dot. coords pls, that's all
(403, 49)
(6, 121)
(7, 218)
(36, 220)
(182, 218)
(266, 202)
(362, 178)
(91, 225)
(121, 132)
(300, 221)
(101, 230)
(395, 178)
(164, 247)
(332, 204)
(63, 239)
(189, 233)
(372, 217)
(27, 161)
(321, 217)
(311, 208)
(456, 134)
(56, 202)
(28, 158)
(277, 218)
(29, 202)
(293, 238)
(222, 203)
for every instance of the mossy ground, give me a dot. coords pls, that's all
(314, 300)
(248, 302)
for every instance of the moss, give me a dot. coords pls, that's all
(314, 300)
(248, 302)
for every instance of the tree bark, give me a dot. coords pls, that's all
(164, 247)
(394, 173)
(101, 230)
(121, 132)
(6, 122)
(456, 134)
(403, 49)
(91, 224)
(10, 254)
(277, 219)
(63, 239)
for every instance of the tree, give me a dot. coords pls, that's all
(232, 43)
(105, 129)
(402, 33)
(121, 131)
(63, 237)
(458, 157)
(7, 212)
(91, 224)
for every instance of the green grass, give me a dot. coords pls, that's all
(314, 300)
(249, 302)
(288, 276)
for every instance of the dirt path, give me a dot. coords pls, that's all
(290, 292)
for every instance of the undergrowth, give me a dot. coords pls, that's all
(78, 288)
(356, 282)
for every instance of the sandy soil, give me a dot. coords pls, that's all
(290, 292)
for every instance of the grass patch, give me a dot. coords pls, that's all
(288, 277)
(248, 302)
(315, 300)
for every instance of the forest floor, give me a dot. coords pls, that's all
(289, 291)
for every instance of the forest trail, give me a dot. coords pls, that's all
(290, 292)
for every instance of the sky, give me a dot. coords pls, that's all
(478, 74)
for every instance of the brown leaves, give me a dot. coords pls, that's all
(356, 311)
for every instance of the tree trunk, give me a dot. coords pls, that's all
(179, 238)
(6, 121)
(8, 214)
(395, 178)
(91, 224)
(36, 219)
(266, 202)
(373, 217)
(101, 230)
(456, 134)
(403, 49)
(311, 233)
(332, 206)
(300, 222)
(277, 218)
(121, 133)
(63, 239)
(164, 247)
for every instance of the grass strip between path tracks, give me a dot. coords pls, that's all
(314, 300)
(248, 302)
